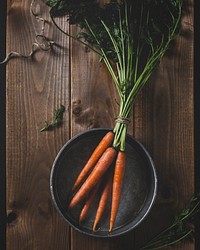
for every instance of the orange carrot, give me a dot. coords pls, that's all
(99, 150)
(88, 203)
(117, 186)
(102, 165)
(103, 200)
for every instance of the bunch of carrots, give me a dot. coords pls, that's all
(130, 37)
(89, 179)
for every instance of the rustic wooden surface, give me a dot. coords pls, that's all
(69, 75)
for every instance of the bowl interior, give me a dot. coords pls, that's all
(139, 185)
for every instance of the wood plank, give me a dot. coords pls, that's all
(34, 89)
(165, 117)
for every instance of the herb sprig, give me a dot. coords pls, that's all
(57, 120)
(182, 228)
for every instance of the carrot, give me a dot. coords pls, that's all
(117, 186)
(100, 168)
(88, 203)
(99, 150)
(103, 200)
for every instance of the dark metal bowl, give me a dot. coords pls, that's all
(139, 184)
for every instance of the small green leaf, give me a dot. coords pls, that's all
(52, 3)
(57, 120)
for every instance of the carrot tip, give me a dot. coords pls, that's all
(94, 227)
(71, 205)
(111, 227)
(74, 186)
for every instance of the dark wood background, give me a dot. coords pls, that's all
(162, 119)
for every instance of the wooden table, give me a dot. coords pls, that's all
(162, 120)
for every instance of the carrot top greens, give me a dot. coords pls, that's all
(130, 36)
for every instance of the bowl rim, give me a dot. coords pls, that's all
(154, 187)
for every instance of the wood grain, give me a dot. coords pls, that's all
(162, 120)
(165, 120)
(34, 89)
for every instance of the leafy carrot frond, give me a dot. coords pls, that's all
(130, 36)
